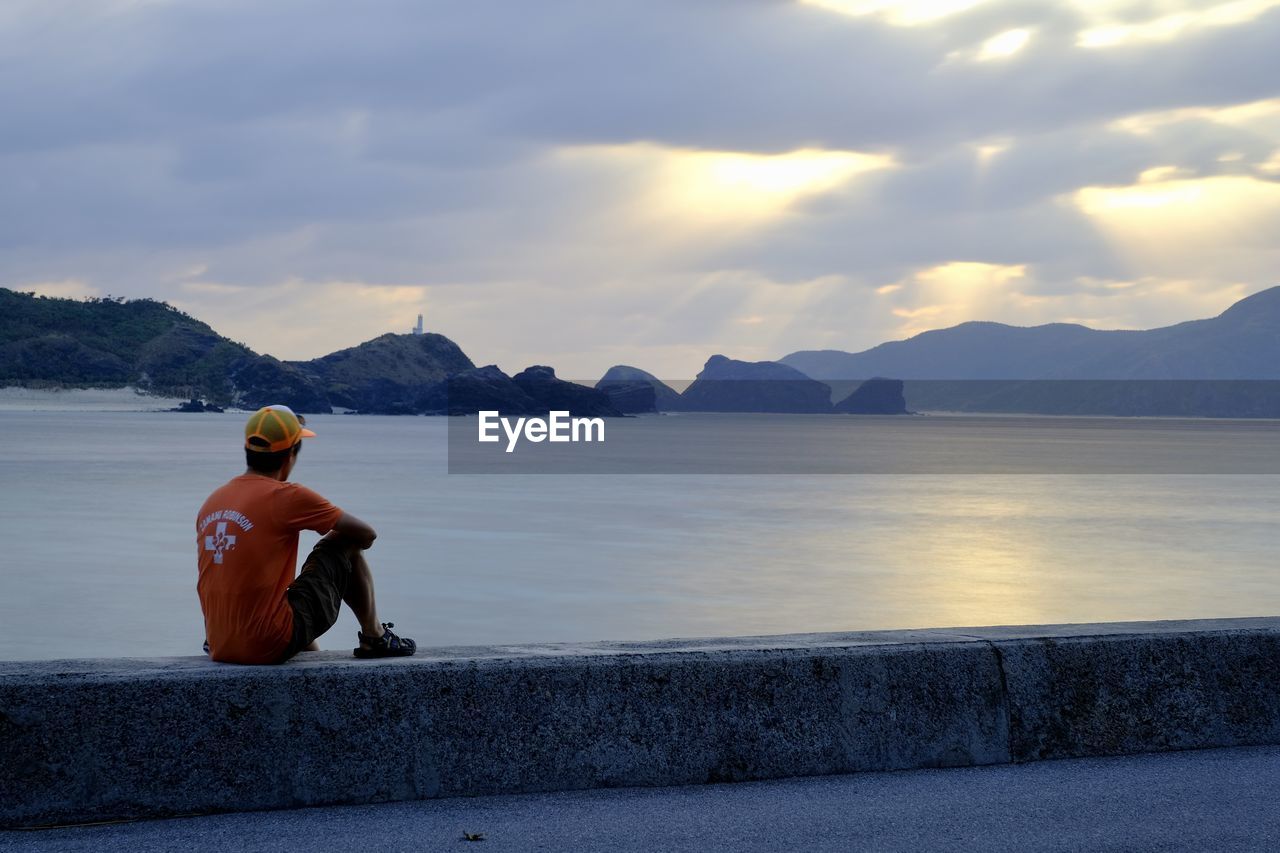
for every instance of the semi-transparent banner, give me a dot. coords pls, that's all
(942, 427)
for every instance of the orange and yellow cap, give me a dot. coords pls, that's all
(274, 428)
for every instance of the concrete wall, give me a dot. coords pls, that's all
(101, 739)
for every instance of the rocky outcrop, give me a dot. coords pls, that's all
(727, 385)
(874, 397)
(387, 375)
(264, 381)
(635, 391)
(533, 391)
(631, 398)
(554, 394)
(197, 406)
(478, 389)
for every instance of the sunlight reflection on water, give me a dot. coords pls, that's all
(98, 513)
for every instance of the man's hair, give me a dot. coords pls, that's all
(269, 463)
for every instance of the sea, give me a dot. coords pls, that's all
(98, 553)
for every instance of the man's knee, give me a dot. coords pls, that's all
(339, 544)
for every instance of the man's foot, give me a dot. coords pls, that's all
(389, 645)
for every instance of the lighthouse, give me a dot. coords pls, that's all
(417, 330)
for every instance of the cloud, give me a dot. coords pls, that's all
(645, 182)
(1004, 44)
(67, 289)
(1171, 225)
(291, 317)
(1171, 26)
(901, 13)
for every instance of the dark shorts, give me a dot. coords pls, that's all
(316, 594)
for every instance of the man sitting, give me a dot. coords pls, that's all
(255, 611)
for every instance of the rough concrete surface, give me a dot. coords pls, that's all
(92, 740)
(1071, 697)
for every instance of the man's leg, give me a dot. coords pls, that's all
(359, 596)
(336, 572)
(318, 592)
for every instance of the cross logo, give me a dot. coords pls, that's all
(220, 541)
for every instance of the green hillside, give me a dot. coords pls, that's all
(49, 342)
(105, 343)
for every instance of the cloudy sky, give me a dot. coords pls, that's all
(607, 181)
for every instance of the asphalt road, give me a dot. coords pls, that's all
(1214, 801)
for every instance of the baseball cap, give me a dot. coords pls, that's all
(274, 428)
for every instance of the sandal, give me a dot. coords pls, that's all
(389, 645)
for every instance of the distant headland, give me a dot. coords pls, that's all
(1226, 366)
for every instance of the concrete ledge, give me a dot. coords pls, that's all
(104, 739)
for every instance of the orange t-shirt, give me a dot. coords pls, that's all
(247, 540)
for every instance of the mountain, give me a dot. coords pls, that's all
(728, 385)
(634, 390)
(631, 398)
(145, 343)
(874, 397)
(1243, 342)
(388, 374)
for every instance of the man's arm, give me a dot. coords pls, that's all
(352, 530)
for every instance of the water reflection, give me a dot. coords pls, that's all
(100, 561)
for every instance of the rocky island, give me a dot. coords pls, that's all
(154, 347)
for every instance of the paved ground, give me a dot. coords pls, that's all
(1215, 800)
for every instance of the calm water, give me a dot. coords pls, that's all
(97, 512)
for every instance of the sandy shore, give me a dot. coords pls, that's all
(128, 399)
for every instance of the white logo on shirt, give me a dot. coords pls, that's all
(220, 541)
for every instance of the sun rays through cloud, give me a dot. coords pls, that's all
(678, 178)
(906, 13)
(699, 190)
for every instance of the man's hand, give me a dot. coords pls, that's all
(353, 530)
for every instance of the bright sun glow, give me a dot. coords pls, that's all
(1259, 116)
(1107, 26)
(903, 13)
(988, 151)
(1005, 44)
(956, 291)
(773, 175)
(724, 187)
(1178, 224)
(1172, 26)
(1156, 174)
(1100, 201)
(966, 278)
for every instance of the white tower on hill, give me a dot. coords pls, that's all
(417, 330)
